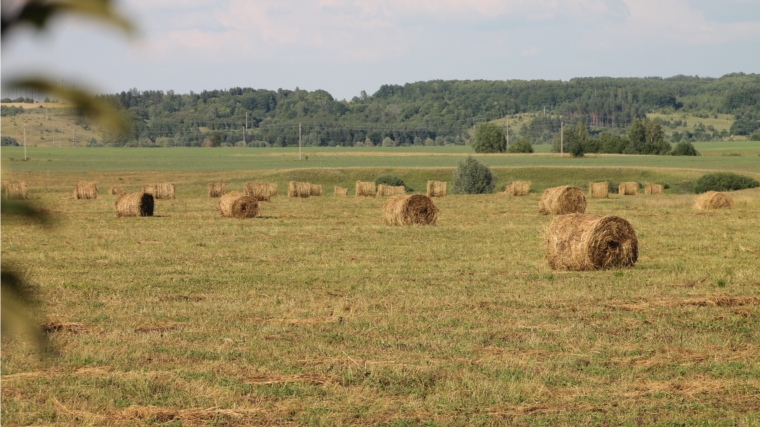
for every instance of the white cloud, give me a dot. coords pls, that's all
(531, 51)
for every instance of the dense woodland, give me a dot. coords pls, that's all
(433, 112)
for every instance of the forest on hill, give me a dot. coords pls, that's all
(438, 112)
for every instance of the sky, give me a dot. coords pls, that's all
(346, 46)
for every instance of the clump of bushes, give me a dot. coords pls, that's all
(393, 181)
(8, 141)
(472, 177)
(724, 181)
(684, 149)
(522, 145)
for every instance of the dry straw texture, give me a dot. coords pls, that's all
(86, 190)
(299, 189)
(217, 189)
(586, 242)
(159, 191)
(388, 190)
(237, 205)
(653, 189)
(315, 190)
(714, 200)
(628, 189)
(408, 210)
(562, 200)
(340, 191)
(366, 189)
(519, 188)
(134, 204)
(261, 191)
(599, 190)
(116, 191)
(15, 190)
(436, 189)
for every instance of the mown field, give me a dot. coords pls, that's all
(318, 314)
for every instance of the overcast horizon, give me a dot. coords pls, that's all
(346, 46)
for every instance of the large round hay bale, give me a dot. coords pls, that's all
(653, 189)
(237, 205)
(299, 189)
(599, 190)
(390, 190)
(160, 191)
(436, 188)
(714, 200)
(562, 200)
(86, 190)
(315, 190)
(408, 210)
(586, 242)
(366, 189)
(628, 188)
(519, 188)
(15, 190)
(217, 189)
(261, 191)
(340, 191)
(134, 204)
(116, 191)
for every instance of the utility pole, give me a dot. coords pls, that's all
(299, 141)
(246, 129)
(507, 132)
(562, 139)
(24, 142)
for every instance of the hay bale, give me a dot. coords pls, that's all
(562, 200)
(315, 190)
(116, 191)
(340, 191)
(653, 189)
(508, 189)
(520, 188)
(299, 189)
(599, 190)
(628, 189)
(160, 191)
(408, 210)
(714, 200)
(587, 242)
(217, 189)
(366, 189)
(436, 189)
(390, 190)
(237, 205)
(261, 191)
(86, 190)
(15, 190)
(134, 204)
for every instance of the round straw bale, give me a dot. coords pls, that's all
(436, 188)
(134, 204)
(653, 189)
(15, 190)
(160, 191)
(315, 190)
(562, 200)
(586, 242)
(714, 200)
(408, 210)
(519, 188)
(116, 191)
(237, 205)
(340, 191)
(299, 189)
(217, 189)
(261, 191)
(389, 190)
(599, 190)
(628, 188)
(86, 190)
(365, 189)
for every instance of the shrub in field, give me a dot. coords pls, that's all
(489, 138)
(387, 142)
(522, 145)
(393, 181)
(472, 177)
(685, 149)
(724, 181)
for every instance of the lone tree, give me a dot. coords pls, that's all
(489, 138)
(472, 177)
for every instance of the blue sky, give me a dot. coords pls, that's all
(346, 46)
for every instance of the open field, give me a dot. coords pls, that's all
(318, 314)
(721, 122)
(58, 126)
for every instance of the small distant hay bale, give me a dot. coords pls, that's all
(315, 190)
(299, 189)
(587, 242)
(15, 190)
(160, 191)
(217, 189)
(134, 204)
(628, 189)
(237, 205)
(653, 189)
(366, 189)
(116, 191)
(86, 190)
(261, 191)
(714, 200)
(599, 190)
(508, 189)
(389, 190)
(519, 188)
(340, 191)
(436, 189)
(562, 200)
(408, 210)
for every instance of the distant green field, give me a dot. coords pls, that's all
(93, 160)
